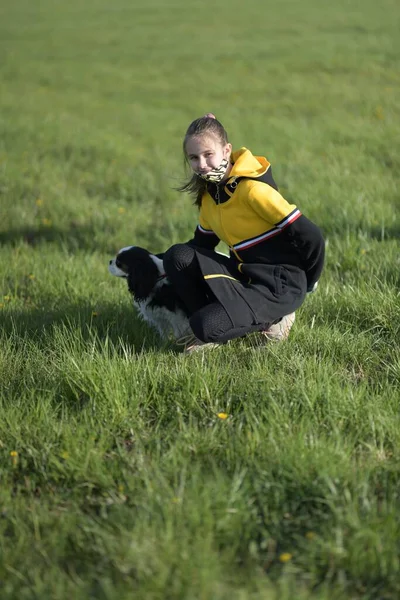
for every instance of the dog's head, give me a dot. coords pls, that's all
(141, 268)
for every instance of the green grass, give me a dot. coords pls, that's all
(118, 479)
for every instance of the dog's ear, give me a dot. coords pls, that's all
(142, 279)
(161, 255)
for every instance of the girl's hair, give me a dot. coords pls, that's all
(196, 186)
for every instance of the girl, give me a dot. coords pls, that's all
(276, 253)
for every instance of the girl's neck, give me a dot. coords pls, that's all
(227, 172)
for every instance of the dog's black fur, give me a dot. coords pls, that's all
(153, 296)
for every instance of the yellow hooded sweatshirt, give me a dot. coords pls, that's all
(246, 210)
(249, 214)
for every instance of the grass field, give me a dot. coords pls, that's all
(129, 470)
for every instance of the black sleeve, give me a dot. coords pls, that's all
(308, 242)
(204, 240)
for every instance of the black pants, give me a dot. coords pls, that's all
(208, 319)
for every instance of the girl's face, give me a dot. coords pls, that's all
(206, 152)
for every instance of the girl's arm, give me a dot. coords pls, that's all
(301, 233)
(306, 238)
(204, 236)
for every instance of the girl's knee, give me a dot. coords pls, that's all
(211, 323)
(171, 253)
(174, 258)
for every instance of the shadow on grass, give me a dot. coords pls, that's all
(358, 228)
(89, 238)
(385, 233)
(117, 325)
(76, 237)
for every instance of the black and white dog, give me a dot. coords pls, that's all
(152, 293)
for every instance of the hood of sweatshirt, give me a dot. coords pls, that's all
(245, 164)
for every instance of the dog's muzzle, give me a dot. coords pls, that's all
(114, 270)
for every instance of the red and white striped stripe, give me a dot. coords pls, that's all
(271, 233)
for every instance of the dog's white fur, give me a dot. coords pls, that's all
(167, 323)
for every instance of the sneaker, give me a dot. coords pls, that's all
(199, 346)
(278, 332)
(192, 344)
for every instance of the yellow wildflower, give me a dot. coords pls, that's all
(39, 202)
(31, 276)
(7, 298)
(64, 455)
(46, 222)
(121, 210)
(222, 415)
(13, 453)
(310, 535)
(285, 557)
